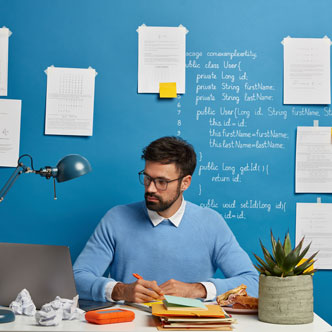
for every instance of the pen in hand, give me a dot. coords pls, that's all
(137, 276)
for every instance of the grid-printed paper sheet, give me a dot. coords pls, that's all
(70, 100)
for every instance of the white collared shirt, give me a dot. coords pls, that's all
(175, 219)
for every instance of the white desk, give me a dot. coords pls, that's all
(146, 322)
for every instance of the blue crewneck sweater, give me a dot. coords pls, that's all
(126, 241)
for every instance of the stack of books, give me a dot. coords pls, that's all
(179, 313)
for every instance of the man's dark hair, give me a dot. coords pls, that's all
(171, 149)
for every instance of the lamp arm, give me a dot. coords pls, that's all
(20, 168)
(4, 190)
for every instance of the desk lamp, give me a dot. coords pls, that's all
(69, 167)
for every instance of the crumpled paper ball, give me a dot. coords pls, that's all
(23, 304)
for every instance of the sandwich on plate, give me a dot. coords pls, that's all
(238, 298)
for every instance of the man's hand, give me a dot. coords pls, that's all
(139, 291)
(179, 288)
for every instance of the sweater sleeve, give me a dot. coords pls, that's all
(93, 261)
(232, 260)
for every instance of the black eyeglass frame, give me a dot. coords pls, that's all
(151, 179)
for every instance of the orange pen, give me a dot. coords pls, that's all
(137, 276)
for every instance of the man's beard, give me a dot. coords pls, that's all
(161, 205)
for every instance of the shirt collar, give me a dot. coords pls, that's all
(175, 219)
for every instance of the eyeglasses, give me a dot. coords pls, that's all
(160, 184)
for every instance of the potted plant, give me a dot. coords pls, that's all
(285, 283)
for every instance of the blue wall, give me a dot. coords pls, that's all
(102, 34)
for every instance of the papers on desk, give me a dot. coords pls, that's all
(10, 123)
(146, 306)
(213, 310)
(313, 160)
(4, 41)
(213, 318)
(307, 70)
(314, 221)
(69, 101)
(182, 303)
(161, 57)
(206, 324)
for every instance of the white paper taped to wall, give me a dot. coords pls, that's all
(161, 57)
(4, 42)
(10, 125)
(313, 221)
(70, 101)
(307, 70)
(313, 160)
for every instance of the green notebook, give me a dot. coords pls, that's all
(182, 303)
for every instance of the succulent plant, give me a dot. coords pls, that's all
(285, 261)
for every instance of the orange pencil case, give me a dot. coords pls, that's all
(109, 316)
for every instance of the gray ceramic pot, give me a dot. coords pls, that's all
(285, 300)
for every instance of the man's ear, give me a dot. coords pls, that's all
(186, 181)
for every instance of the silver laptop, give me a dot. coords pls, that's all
(44, 270)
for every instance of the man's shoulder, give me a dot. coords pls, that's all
(205, 218)
(206, 214)
(128, 208)
(126, 211)
(194, 208)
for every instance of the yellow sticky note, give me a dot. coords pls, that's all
(167, 90)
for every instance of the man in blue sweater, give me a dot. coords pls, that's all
(175, 245)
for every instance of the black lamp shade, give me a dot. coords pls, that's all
(72, 166)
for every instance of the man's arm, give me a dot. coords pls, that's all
(179, 288)
(233, 262)
(92, 263)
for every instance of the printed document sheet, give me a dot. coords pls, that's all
(4, 38)
(69, 103)
(161, 57)
(10, 124)
(313, 160)
(314, 221)
(307, 71)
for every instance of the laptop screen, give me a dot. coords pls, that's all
(44, 270)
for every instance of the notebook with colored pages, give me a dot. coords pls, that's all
(213, 310)
(196, 328)
(194, 321)
(182, 303)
